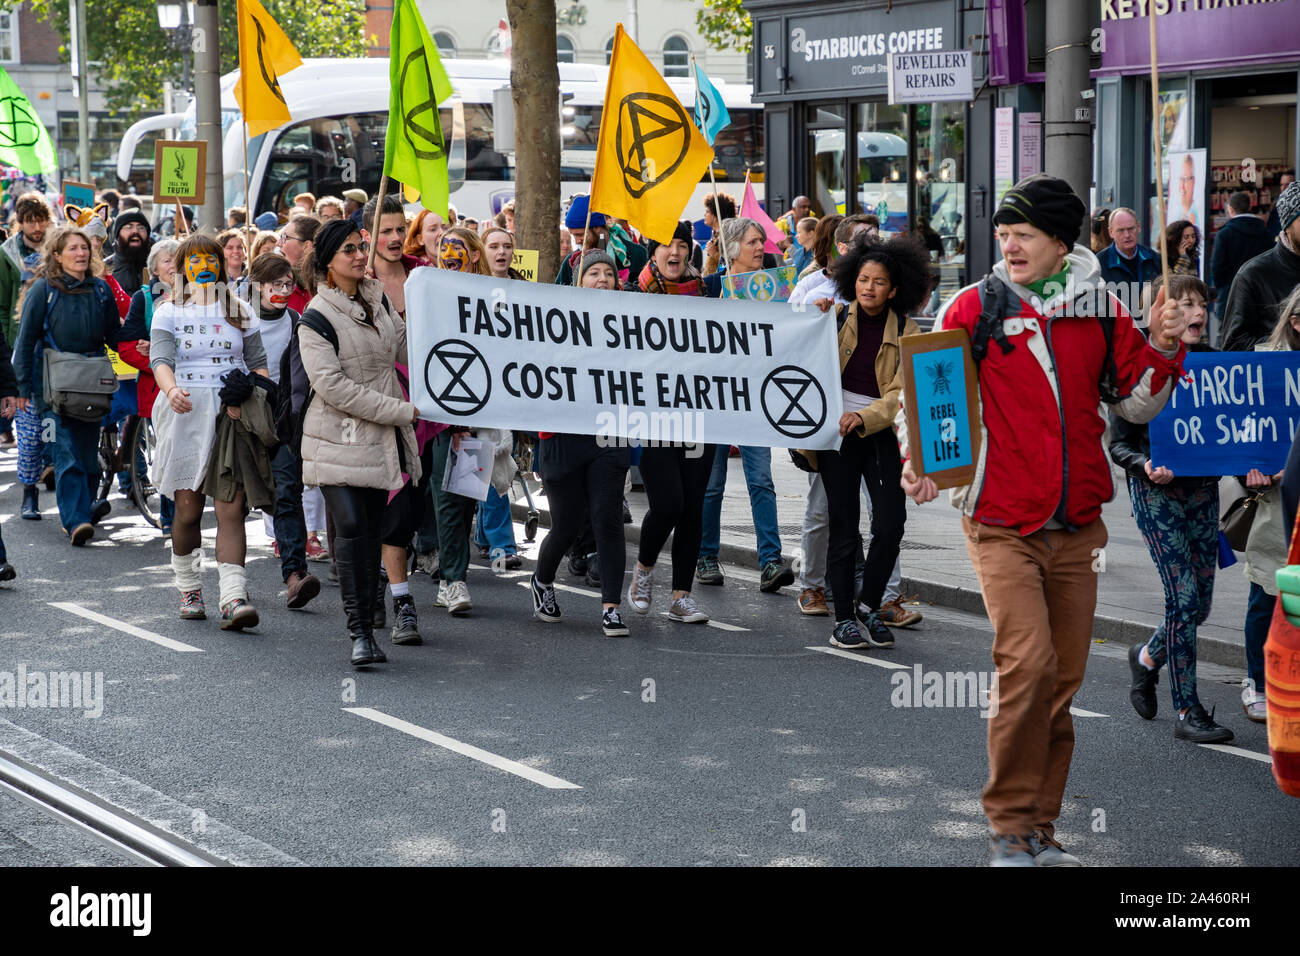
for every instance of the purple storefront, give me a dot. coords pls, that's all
(1228, 81)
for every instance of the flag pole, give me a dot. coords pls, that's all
(595, 166)
(1155, 136)
(374, 224)
(248, 205)
(717, 206)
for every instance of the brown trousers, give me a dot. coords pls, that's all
(1040, 592)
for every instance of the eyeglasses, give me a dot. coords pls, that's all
(281, 285)
(285, 237)
(352, 248)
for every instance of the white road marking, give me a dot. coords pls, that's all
(586, 592)
(131, 629)
(467, 750)
(1239, 751)
(860, 658)
(1080, 712)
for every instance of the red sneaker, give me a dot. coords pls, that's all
(315, 551)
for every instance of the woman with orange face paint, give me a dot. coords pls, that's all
(198, 337)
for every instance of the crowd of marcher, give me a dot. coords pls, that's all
(272, 361)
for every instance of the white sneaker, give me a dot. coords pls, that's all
(638, 593)
(441, 599)
(1257, 710)
(685, 610)
(458, 601)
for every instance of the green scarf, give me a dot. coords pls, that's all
(1057, 281)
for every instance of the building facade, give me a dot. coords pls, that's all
(821, 70)
(29, 53)
(584, 32)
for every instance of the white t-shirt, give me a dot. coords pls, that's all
(207, 345)
(816, 286)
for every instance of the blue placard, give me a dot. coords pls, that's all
(939, 379)
(1230, 412)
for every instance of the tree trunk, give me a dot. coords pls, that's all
(535, 90)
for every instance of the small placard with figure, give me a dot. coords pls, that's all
(179, 168)
(941, 401)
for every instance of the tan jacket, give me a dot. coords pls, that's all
(879, 415)
(350, 434)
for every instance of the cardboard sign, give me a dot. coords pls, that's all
(78, 194)
(765, 285)
(178, 171)
(941, 401)
(1230, 412)
(524, 261)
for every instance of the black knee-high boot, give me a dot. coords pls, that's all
(356, 588)
(375, 600)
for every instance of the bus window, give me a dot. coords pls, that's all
(481, 160)
(739, 147)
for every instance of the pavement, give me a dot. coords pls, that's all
(937, 570)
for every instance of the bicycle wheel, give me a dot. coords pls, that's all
(139, 446)
(109, 460)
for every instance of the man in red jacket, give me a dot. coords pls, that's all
(1032, 514)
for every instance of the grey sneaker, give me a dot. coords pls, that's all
(406, 628)
(1007, 850)
(707, 570)
(847, 636)
(638, 593)
(1047, 852)
(685, 610)
(458, 601)
(441, 599)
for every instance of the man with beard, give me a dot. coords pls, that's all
(392, 266)
(131, 250)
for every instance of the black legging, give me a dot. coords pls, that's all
(357, 512)
(593, 484)
(675, 479)
(875, 460)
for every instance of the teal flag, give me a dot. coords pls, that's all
(24, 141)
(711, 114)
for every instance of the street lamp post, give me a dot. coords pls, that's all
(177, 16)
(195, 27)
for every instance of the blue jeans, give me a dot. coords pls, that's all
(494, 530)
(76, 467)
(1259, 616)
(125, 404)
(290, 526)
(757, 463)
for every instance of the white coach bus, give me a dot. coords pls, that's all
(335, 140)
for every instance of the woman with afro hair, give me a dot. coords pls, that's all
(883, 281)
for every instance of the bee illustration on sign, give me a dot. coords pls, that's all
(940, 374)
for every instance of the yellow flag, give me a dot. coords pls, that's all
(265, 54)
(651, 155)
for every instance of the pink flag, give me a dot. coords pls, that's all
(750, 209)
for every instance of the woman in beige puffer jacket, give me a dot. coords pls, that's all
(357, 437)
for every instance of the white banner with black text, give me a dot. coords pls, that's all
(501, 353)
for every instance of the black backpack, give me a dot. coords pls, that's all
(287, 424)
(998, 302)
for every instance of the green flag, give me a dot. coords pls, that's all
(415, 152)
(24, 141)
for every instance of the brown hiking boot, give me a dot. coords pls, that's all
(895, 615)
(302, 588)
(812, 601)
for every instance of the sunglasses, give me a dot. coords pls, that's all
(352, 248)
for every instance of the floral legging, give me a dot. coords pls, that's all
(1181, 528)
(27, 428)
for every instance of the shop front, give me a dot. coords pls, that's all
(822, 73)
(1227, 101)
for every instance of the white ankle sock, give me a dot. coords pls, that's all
(400, 588)
(185, 570)
(234, 583)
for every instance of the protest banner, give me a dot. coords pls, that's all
(78, 194)
(524, 261)
(765, 285)
(941, 403)
(1230, 412)
(178, 170)
(621, 365)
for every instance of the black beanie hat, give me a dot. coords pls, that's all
(127, 217)
(684, 231)
(1046, 203)
(329, 239)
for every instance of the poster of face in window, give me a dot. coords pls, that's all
(1173, 121)
(1185, 198)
